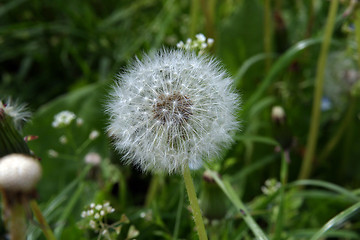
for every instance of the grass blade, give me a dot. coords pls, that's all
(337, 220)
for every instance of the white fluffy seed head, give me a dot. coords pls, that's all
(19, 172)
(171, 110)
(16, 111)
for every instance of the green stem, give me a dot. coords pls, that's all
(194, 21)
(194, 204)
(357, 32)
(151, 194)
(319, 82)
(42, 221)
(310, 20)
(84, 145)
(178, 213)
(339, 133)
(283, 179)
(240, 206)
(17, 222)
(267, 32)
(208, 8)
(10, 139)
(336, 221)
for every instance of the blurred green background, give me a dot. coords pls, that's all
(63, 55)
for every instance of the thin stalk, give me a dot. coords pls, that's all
(339, 219)
(319, 83)
(267, 32)
(151, 194)
(17, 222)
(84, 145)
(42, 221)
(283, 179)
(310, 20)
(189, 184)
(208, 7)
(340, 131)
(240, 206)
(178, 213)
(194, 13)
(357, 32)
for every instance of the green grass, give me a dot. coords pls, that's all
(63, 55)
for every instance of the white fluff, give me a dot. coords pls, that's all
(171, 110)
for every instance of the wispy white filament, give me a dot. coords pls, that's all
(171, 110)
(16, 111)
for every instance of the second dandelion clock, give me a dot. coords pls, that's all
(172, 110)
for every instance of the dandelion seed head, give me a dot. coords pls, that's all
(16, 111)
(171, 110)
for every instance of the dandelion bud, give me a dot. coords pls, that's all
(19, 172)
(281, 130)
(79, 122)
(278, 115)
(52, 153)
(63, 140)
(93, 158)
(172, 110)
(93, 135)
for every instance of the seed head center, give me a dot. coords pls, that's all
(173, 108)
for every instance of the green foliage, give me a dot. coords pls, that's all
(62, 55)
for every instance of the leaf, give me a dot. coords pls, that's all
(337, 220)
(278, 66)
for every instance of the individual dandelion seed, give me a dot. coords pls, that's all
(172, 110)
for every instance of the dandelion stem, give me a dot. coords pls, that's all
(17, 222)
(267, 32)
(283, 179)
(357, 32)
(233, 197)
(189, 184)
(345, 123)
(178, 213)
(194, 13)
(153, 188)
(319, 83)
(42, 221)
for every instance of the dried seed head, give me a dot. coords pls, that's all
(18, 112)
(171, 110)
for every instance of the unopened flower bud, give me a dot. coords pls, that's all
(94, 134)
(19, 172)
(278, 115)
